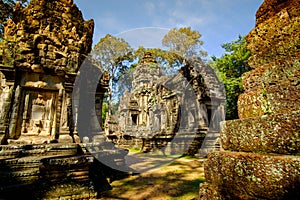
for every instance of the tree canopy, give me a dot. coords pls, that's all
(110, 53)
(230, 68)
(184, 42)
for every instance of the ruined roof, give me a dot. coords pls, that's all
(50, 34)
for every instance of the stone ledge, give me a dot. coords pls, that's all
(22, 150)
(276, 99)
(211, 192)
(273, 73)
(259, 176)
(268, 134)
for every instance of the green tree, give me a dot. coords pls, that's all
(184, 43)
(170, 62)
(112, 53)
(230, 68)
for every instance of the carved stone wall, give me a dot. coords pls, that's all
(159, 108)
(50, 35)
(50, 40)
(261, 158)
(39, 108)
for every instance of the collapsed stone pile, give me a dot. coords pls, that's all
(261, 158)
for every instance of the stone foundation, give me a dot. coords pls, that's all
(36, 172)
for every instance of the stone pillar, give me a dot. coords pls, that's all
(15, 113)
(58, 113)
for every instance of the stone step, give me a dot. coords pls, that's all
(14, 151)
(209, 146)
(211, 192)
(68, 162)
(273, 73)
(275, 99)
(268, 134)
(259, 176)
(18, 177)
(5, 176)
(70, 190)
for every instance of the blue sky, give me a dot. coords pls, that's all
(145, 22)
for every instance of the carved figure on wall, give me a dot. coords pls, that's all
(39, 100)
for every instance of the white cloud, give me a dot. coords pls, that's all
(149, 37)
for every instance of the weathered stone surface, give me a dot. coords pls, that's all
(158, 108)
(261, 158)
(270, 8)
(38, 82)
(52, 171)
(275, 99)
(273, 73)
(260, 176)
(17, 150)
(209, 192)
(212, 192)
(50, 35)
(269, 134)
(276, 35)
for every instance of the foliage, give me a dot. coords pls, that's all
(7, 8)
(230, 68)
(113, 54)
(170, 62)
(184, 42)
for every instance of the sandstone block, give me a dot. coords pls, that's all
(273, 73)
(211, 192)
(275, 99)
(65, 139)
(268, 134)
(259, 176)
(277, 37)
(271, 7)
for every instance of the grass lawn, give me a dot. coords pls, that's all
(177, 180)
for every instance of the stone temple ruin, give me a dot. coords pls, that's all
(158, 109)
(38, 135)
(261, 158)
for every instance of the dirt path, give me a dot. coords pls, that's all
(177, 180)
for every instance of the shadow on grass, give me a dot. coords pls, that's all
(178, 180)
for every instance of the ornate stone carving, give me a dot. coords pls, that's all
(51, 41)
(51, 35)
(157, 108)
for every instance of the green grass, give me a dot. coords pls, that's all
(134, 150)
(178, 180)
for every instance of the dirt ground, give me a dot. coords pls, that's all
(179, 179)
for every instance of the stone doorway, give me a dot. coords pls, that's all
(38, 112)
